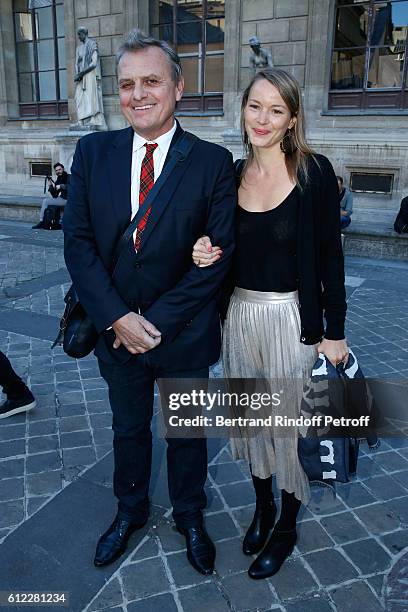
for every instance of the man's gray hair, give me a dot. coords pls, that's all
(136, 39)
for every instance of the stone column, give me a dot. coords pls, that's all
(232, 62)
(8, 69)
(137, 15)
(70, 9)
(320, 34)
(3, 92)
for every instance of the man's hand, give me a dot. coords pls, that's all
(135, 333)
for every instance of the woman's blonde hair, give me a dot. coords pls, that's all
(297, 151)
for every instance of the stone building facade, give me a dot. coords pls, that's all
(348, 55)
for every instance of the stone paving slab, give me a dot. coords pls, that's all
(61, 545)
(47, 301)
(30, 324)
(55, 471)
(29, 287)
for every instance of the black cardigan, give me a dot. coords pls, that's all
(320, 256)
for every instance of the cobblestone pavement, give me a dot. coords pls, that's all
(347, 547)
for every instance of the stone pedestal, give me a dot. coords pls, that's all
(76, 127)
(65, 143)
(17, 151)
(232, 140)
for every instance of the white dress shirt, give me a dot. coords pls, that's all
(138, 153)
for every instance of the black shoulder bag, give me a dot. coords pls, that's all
(77, 334)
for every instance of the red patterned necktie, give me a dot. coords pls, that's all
(146, 183)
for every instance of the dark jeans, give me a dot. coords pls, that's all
(345, 222)
(131, 396)
(12, 384)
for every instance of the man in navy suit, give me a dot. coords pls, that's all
(159, 317)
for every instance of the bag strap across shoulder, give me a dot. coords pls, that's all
(177, 154)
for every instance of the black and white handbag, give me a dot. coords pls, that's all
(326, 456)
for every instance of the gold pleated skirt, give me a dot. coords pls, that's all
(261, 340)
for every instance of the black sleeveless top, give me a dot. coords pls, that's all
(266, 245)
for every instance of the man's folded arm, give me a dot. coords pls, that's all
(91, 279)
(175, 308)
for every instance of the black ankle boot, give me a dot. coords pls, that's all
(258, 531)
(279, 547)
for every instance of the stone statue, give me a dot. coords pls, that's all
(260, 58)
(88, 91)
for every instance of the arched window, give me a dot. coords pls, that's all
(195, 29)
(40, 55)
(369, 59)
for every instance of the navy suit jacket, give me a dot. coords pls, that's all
(160, 281)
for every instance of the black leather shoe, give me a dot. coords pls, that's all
(200, 549)
(39, 225)
(114, 541)
(258, 531)
(279, 547)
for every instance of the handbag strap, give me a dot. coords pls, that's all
(178, 153)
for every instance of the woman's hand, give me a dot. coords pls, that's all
(204, 254)
(336, 351)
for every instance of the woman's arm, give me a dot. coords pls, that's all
(331, 258)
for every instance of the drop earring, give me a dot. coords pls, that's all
(287, 144)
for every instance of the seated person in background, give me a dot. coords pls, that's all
(58, 190)
(19, 396)
(346, 203)
(401, 221)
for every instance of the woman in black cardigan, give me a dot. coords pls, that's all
(288, 272)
